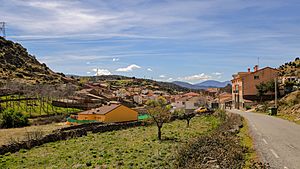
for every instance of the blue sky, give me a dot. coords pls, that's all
(168, 40)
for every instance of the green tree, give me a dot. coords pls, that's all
(182, 114)
(262, 89)
(159, 110)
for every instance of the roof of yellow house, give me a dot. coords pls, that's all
(102, 110)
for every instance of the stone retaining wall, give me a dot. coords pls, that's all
(68, 133)
(65, 135)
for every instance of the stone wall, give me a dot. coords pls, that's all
(68, 133)
(56, 136)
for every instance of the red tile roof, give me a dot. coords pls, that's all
(191, 94)
(102, 110)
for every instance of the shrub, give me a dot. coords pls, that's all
(248, 107)
(19, 75)
(221, 114)
(10, 118)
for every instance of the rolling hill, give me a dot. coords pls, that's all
(187, 85)
(203, 85)
(213, 83)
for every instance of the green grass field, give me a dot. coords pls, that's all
(131, 148)
(33, 108)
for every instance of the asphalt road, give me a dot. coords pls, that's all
(277, 141)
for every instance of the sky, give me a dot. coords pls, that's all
(166, 40)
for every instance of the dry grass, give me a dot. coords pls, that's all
(18, 134)
(289, 107)
(247, 142)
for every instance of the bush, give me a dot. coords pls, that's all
(10, 118)
(248, 107)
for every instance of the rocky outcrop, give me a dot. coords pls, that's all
(17, 64)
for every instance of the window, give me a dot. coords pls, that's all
(183, 103)
(256, 77)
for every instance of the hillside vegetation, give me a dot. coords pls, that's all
(290, 68)
(17, 64)
(124, 81)
(289, 107)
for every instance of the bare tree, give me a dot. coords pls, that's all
(185, 115)
(159, 110)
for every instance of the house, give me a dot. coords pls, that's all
(289, 83)
(191, 94)
(244, 85)
(109, 114)
(188, 103)
(225, 100)
(212, 90)
(138, 99)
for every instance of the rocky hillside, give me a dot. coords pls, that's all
(290, 68)
(18, 65)
(289, 106)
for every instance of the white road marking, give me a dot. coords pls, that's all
(254, 127)
(265, 141)
(274, 153)
(285, 167)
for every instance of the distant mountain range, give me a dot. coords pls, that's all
(203, 85)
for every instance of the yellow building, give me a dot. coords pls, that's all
(109, 114)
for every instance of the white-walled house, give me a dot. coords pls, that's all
(138, 99)
(188, 103)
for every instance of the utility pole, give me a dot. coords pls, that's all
(2, 28)
(276, 92)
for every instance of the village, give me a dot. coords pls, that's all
(99, 105)
(145, 84)
(95, 99)
(243, 95)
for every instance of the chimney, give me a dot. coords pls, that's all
(255, 68)
(248, 69)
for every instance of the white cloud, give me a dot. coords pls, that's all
(162, 76)
(115, 59)
(100, 72)
(128, 68)
(149, 69)
(217, 73)
(88, 63)
(88, 72)
(197, 77)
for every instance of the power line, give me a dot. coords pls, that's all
(2, 28)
